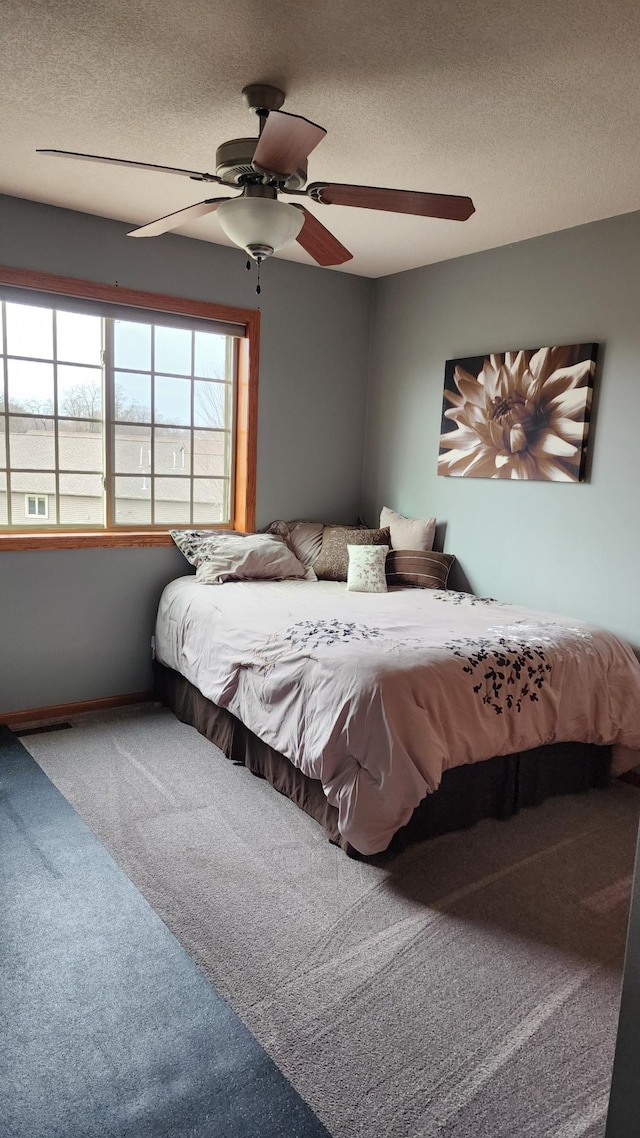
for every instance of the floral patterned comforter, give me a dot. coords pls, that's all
(376, 694)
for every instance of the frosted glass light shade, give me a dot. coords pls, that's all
(260, 221)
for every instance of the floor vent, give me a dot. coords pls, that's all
(20, 731)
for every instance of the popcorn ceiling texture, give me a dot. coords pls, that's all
(526, 108)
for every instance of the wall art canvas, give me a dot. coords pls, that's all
(521, 415)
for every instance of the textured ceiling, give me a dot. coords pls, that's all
(532, 109)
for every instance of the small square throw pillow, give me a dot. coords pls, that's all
(366, 568)
(333, 562)
(408, 533)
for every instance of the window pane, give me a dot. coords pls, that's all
(210, 500)
(79, 392)
(78, 338)
(32, 443)
(172, 452)
(172, 501)
(210, 355)
(173, 400)
(209, 452)
(29, 331)
(4, 510)
(173, 350)
(30, 386)
(3, 443)
(211, 404)
(132, 450)
(133, 397)
(81, 499)
(132, 345)
(80, 446)
(133, 501)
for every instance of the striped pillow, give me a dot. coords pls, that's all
(418, 569)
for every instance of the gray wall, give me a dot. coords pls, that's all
(569, 548)
(76, 625)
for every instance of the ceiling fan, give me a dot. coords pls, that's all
(275, 163)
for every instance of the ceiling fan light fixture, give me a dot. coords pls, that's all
(258, 225)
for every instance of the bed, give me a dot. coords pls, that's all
(403, 713)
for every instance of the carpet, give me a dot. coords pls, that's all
(465, 988)
(107, 1028)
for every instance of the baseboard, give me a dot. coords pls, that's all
(64, 710)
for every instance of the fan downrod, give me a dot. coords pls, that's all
(261, 97)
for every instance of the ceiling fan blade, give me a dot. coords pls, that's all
(195, 174)
(319, 242)
(174, 220)
(447, 206)
(286, 142)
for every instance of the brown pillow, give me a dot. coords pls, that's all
(303, 538)
(333, 562)
(418, 569)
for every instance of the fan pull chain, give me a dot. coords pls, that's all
(248, 266)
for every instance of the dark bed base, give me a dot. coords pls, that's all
(496, 788)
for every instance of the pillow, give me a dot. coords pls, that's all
(366, 568)
(418, 569)
(303, 538)
(190, 540)
(333, 562)
(408, 533)
(253, 557)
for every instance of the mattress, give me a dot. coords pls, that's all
(376, 695)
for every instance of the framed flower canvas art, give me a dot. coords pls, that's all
(521, 415)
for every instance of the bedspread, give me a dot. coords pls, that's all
(376, 694)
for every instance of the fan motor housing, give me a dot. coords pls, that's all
(234, 163)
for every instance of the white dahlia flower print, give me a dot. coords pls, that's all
(523, 415)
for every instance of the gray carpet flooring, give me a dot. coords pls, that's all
(107, 1027)
(467, 988)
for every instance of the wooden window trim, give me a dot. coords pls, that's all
(244, 504)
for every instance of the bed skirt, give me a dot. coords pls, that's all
(496, 788)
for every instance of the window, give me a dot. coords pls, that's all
(117, 417)
(36, 507)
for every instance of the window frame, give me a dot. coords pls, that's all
(246, 418)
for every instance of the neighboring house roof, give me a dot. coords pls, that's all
(80, 451)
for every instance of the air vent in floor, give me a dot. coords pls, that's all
(41, 730)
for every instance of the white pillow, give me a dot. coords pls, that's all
(408, 533)
(366, 568)
(190, 541)
(255, 557)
